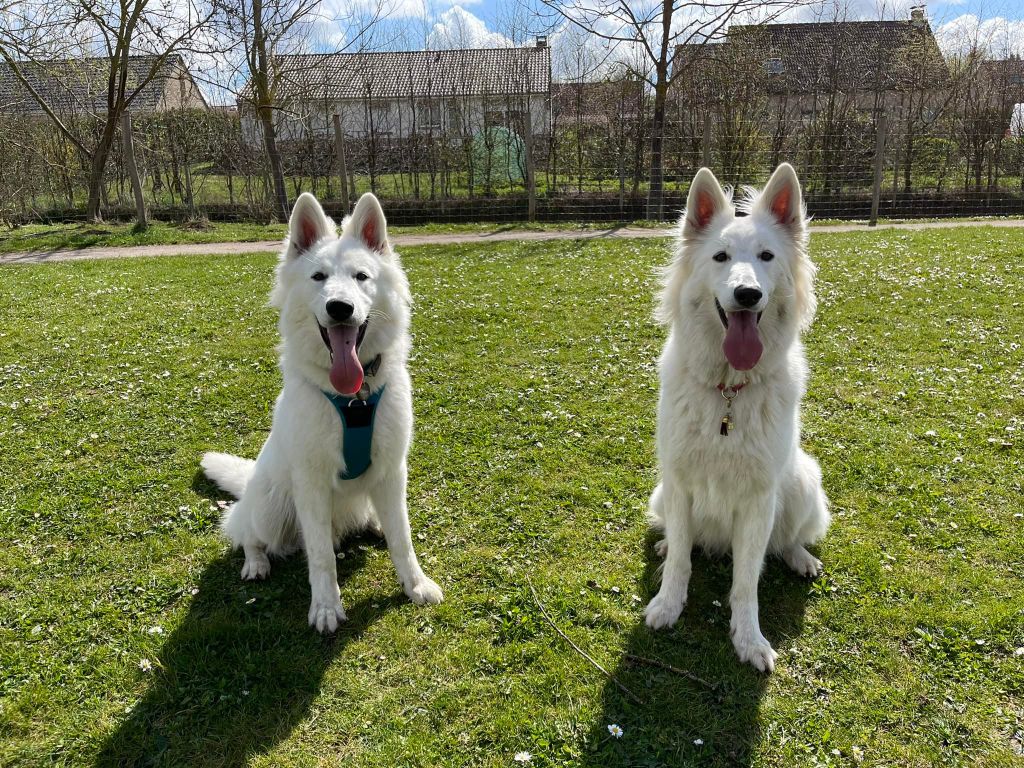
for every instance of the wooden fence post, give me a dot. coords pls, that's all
(876, 187)
(339, 150)
(531, 171)
(133, 171)
(706, 141)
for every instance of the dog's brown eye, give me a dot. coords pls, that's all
(361, 276)
(319, 276)
(721, 256)
(766, 255)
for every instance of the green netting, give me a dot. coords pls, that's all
(499, 157)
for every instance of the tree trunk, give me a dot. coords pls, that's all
(97, 165)
(274, 157)
(265, 111)
(656, 193)
(339, 148)
(531, 170)
(141, 223)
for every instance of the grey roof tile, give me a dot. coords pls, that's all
(79, 86)
(396, 74)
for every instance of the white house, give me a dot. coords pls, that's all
(396, 95)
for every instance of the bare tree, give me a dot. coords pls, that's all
(264, 31)
(80, 57)
(656, 28)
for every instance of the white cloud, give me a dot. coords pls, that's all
(998, 36)
(458, 28)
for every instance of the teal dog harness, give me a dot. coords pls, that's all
(357, 417)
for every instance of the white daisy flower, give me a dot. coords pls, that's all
(145, 665)
(615, 730)
(523, 757)
(698, 742)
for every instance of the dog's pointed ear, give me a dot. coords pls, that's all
(307, 225)
(367, 223)
(703, 202)
(782, 200)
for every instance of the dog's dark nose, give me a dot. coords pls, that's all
(746, 297)
(342, 310)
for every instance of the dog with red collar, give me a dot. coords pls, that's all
(733, 475)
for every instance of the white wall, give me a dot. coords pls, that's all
(397, 118)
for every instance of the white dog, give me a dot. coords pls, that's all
(736, 296)
(335, 460)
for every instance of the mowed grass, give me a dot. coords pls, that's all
(535, 388)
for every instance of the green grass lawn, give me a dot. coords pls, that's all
(534, 368)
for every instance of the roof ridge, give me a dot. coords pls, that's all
(327, 54)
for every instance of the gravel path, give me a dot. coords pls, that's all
(38, 257)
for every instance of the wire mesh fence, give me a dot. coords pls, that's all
(588, 161)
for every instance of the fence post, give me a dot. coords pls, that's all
(531, 170)
(706, 142)
(339, 150)
(876, 187)
(133, 171)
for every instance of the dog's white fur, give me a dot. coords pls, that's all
(754, 491)
(291, 497)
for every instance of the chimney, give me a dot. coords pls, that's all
(917, 17)
(542, 41)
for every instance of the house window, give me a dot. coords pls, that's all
(774, 66)
(380, 112)
(430, 115)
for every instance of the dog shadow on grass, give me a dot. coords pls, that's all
(683, 721)
(242, 669)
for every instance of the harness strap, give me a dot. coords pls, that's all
(357, 417)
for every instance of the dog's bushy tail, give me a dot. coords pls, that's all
(231, 473)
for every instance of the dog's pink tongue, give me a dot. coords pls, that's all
(742, 344)
(346, 370)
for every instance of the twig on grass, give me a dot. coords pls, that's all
(669, 668)
(632, 696)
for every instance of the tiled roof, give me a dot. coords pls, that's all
(847, 55)
(395, 74)
(598, 102)
(79, 86)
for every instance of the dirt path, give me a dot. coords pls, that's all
(199, 249)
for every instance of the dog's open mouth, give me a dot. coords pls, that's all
(343, 343)
(742, 345)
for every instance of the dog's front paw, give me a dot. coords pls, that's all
(661, 548)
(425, 592)
(257, 566)
(325, 614)
(753, 648)
(663, 611)
(803, 562)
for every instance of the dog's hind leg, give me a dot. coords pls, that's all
(674, 506)
(805, 515)
(239, 528)
(656, 519)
